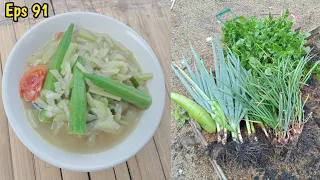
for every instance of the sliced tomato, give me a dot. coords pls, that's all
(32, 81)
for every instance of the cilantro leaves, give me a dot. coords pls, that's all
(262, 42)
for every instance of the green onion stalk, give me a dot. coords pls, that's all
(220, 117)
(217, 94)
(275, 99)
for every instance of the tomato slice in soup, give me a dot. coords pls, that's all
(31, 82)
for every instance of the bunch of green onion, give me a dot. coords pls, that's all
(217, 94)
(233, 94)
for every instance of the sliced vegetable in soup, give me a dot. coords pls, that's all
(31, 82)
(84, 92)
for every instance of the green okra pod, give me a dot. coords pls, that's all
(127, 93)
(58, 58)
(78, 104)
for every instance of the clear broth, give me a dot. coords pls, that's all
(76, 144)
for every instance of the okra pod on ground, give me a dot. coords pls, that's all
(199, 114)
(58, 58)
(127, 93)
(78, 104)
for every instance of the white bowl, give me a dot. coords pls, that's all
(16, 65)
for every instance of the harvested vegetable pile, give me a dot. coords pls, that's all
(235, 94)
(254, 89)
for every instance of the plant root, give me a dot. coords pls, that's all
(293, 146)
(245, 155)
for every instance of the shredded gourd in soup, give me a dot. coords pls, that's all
(86, 83)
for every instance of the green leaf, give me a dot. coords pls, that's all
(240, 42)
(268, 72)
(307, 34)
(254, 62)
(270, 16)
(307, 49)
(180, 115)
(266, 40)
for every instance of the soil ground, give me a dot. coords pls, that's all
(192, 22)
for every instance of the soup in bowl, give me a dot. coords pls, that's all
(83, 91)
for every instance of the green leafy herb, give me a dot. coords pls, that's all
(180, 115)
(260, 42)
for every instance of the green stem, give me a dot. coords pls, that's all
(234, 136)
(252, 128)
(239, 135)
(264, 130)
(248, 126)
(218, 133)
